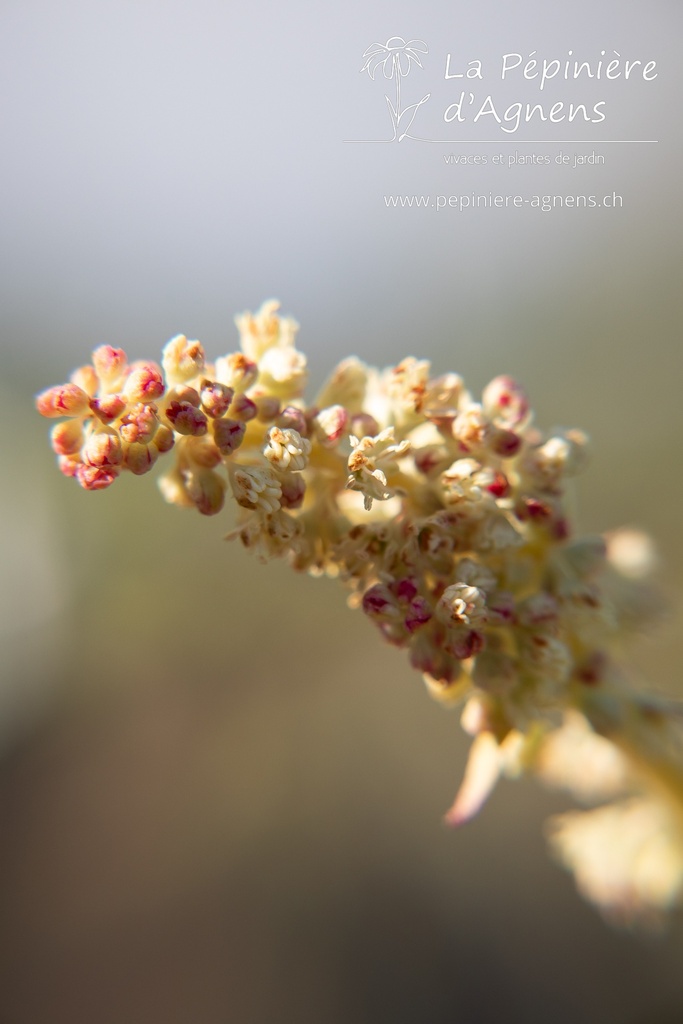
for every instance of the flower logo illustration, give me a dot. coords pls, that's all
(395, 58)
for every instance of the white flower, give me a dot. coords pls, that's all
(363, 463)
(394, 57)
(256, 487)
(282, 372)
(264, 330)
(286, 449)
(627, 857)
(463, 605)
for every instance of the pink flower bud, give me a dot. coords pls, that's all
(504, 442)
(363, 425)
(182, 360)
(86, 378)
(69, 465)
(432, 460)
(404, 589)
(228, 435)
(499, 486)
(267, 408)
(501, 608)
(108, 408)
(331, 425)
(464, 643)
(379, 603)
(418, 614)
(236, 371)
(293, 490)
(183, 393)
(96, 478)
(243, 408)
(207, 491)
(110, 363)
(139, 425)
(215, 398)
(505, 402)
(203, 452)
(67, 437)
(144, 383)
(139, 458)
(292, 418)
(103, 450)
(62, 400)
(164, 439)
(186, 419)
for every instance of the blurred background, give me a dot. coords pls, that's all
(221, 798)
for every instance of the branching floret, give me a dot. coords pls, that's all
(447, 518)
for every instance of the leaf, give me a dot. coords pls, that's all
(412, 108)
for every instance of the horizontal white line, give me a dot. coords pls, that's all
(517, 142)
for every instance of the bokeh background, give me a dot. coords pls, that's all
(220, 797)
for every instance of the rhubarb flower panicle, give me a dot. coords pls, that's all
(448, 518)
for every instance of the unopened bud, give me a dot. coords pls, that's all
(207, 491)
(103, 450)
(228, 435)
(144, 383)
(67, 437)
(236, 371)
(108, 408)
(62, 400)
(182, 360)
(215, 398)
(505, 402)
(110, 364)
(164, 439)
(139, 458)
(186, 419)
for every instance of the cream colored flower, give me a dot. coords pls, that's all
(447, 520)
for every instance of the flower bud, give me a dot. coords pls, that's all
(267, 408)
(86, 378)
(504, 443)
(67, 437)
(139, 458)
(293, 418)
(254, 487)
(139, 425)
(282, 372)
(62, 400)
(186, 419)
(505, 402)
(203, 452)
(207, 491)
(144, 383)
(463, 605)
(182, 360)
(293, 490)
(108, 408)
(236, 372)
(103, 450)
(286, 449)
(228, 435)
(96, 478)
(110, 365)
(331, 424)
(164, 439)
(215, 397)
(244, 408)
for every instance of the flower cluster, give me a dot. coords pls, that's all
(447, 518)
